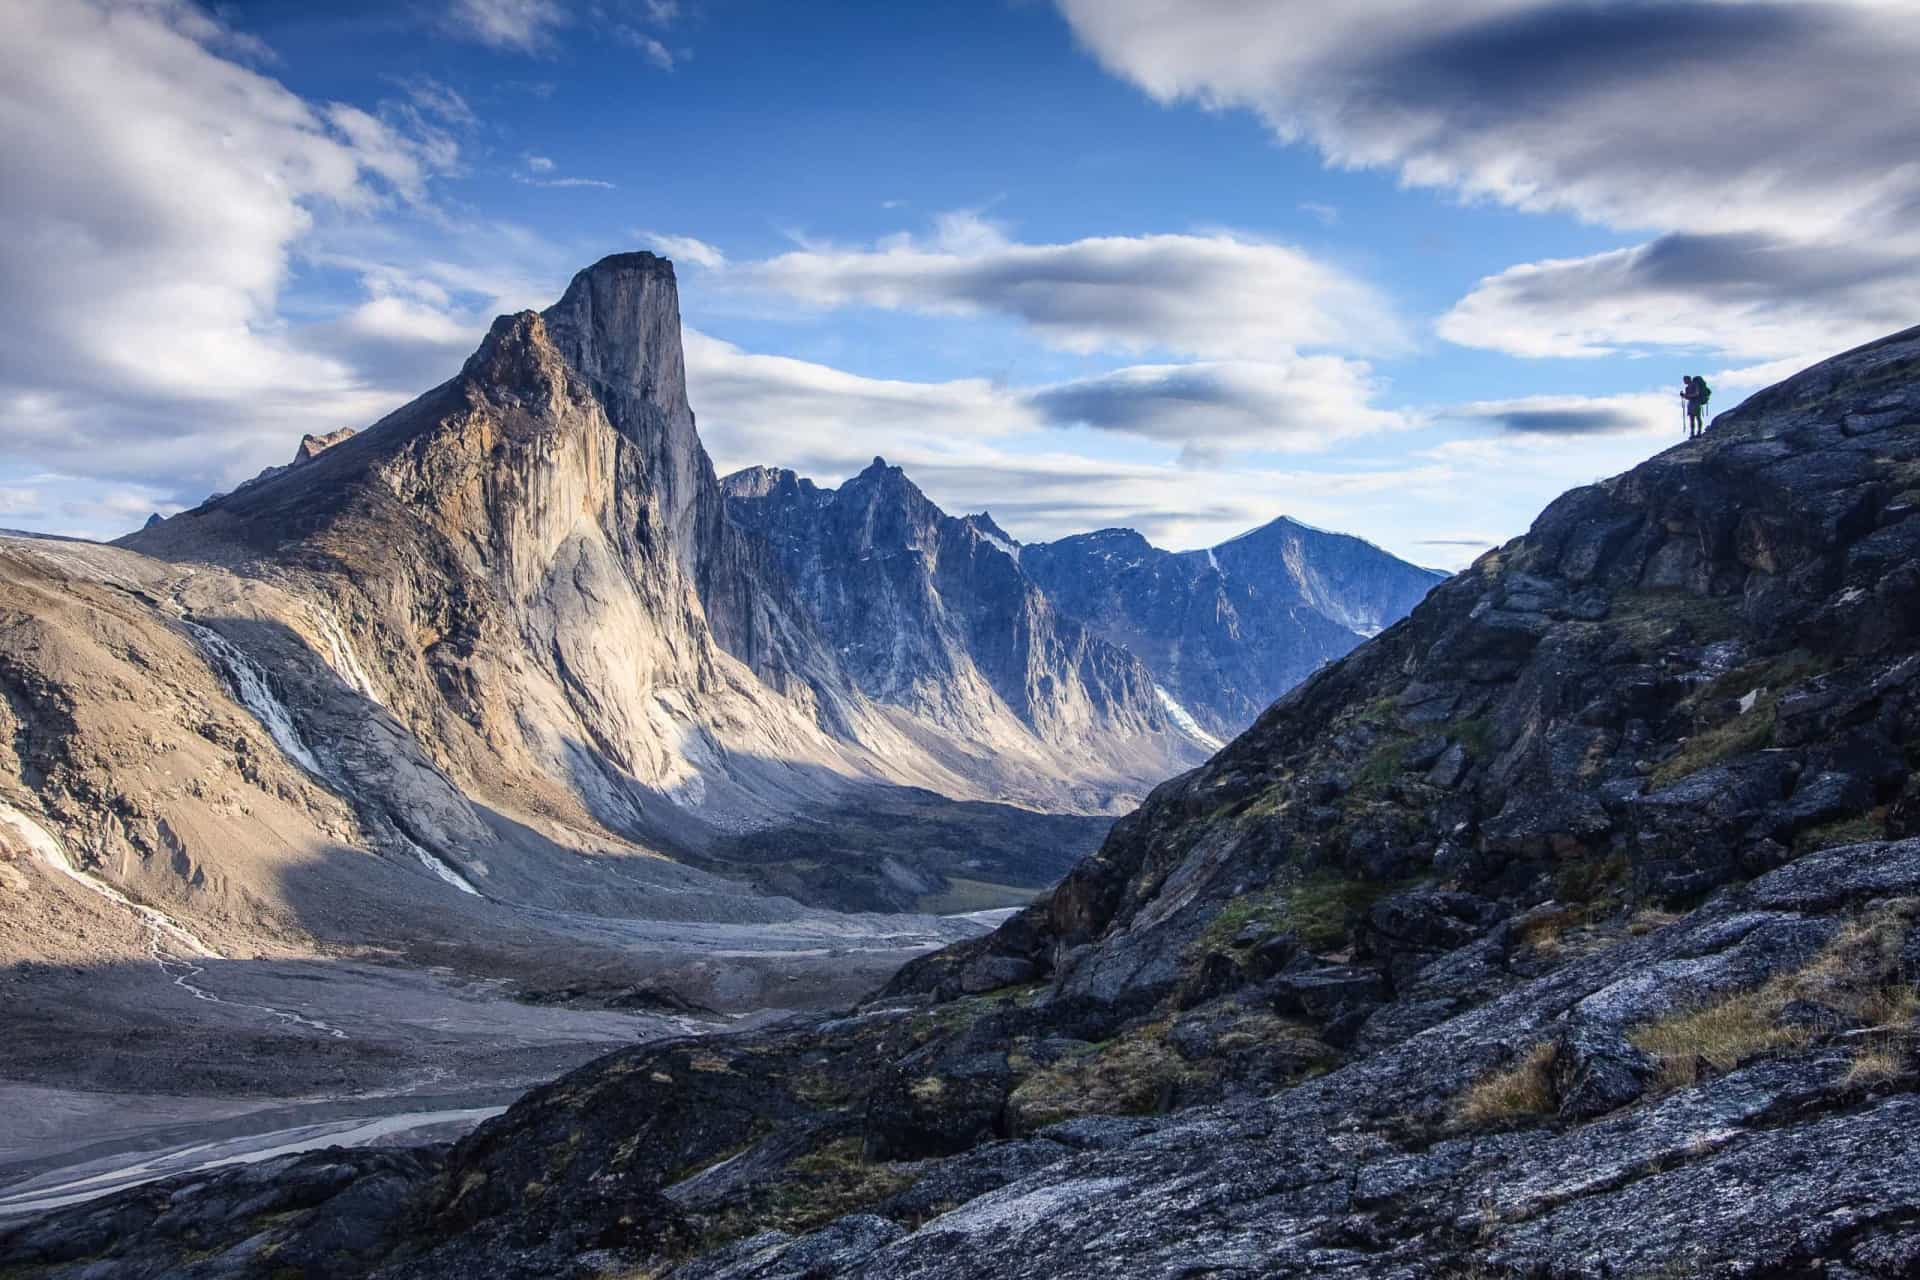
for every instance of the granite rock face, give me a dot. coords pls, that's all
(1567, 928)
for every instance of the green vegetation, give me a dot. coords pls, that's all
(1475, 736)
(1386, 763)
(1319, 907)
(1135, 1073)
(1316, 907)
(1649, 618)
(1749, 730)
(1854, 830)
(820, 1186)
(1585, 882)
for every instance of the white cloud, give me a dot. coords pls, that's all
(1218, 296)
(974, 445)
(1774, 139)
(19, 500)
(650, 49)
(1302, 405)
(1751, 297)
(156, 192)
(1714, 115)
(683, 249)
(528, 26)
(1327, 215)
(539, 171)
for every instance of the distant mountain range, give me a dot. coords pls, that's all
(1091, 631)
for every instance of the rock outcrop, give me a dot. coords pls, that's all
(1567, 928)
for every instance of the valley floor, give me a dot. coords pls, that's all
(116, 1074)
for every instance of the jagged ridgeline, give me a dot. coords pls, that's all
(1567, 927)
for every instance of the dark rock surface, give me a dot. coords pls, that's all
(1606, 1002)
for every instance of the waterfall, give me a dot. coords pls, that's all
(250, 686)
(440, 868)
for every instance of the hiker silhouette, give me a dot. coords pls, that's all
(1695, 393)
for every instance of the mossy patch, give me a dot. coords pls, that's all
(1761, 685)
(1854, 830)
(826, 1183)
(1135, 1073)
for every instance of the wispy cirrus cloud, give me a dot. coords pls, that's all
(526, 26)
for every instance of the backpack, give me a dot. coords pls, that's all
(1701, 391)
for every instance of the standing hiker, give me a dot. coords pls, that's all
(1696, 395)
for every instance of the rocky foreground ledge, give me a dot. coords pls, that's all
(1568, 928)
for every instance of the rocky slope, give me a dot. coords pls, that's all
(1567, 928)
(1228, 629)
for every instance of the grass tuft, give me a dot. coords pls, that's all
(1514, 1093)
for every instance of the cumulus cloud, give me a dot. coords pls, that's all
(1769, 139)
(1219, 296)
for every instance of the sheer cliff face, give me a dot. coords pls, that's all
(518, 557)
(932, 614)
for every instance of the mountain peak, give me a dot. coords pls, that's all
(618, 324)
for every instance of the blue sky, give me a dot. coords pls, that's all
(1399, 269)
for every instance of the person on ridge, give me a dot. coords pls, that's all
(1696, 394)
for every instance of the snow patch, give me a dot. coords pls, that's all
(1213, 563)
(250, 685)
(998, 543)
(440, 868)
(1184, 721)
(340, 654)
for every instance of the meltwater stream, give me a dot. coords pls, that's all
(172, 946)
(250, 684)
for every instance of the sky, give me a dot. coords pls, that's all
(1402, 269)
